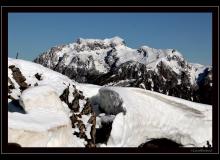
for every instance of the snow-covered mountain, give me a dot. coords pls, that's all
(47, 108)
(110, 62)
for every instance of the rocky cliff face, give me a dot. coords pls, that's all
(110, 62)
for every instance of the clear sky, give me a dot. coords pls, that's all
(190, 33)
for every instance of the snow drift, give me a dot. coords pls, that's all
(150, 115)
(45, 123)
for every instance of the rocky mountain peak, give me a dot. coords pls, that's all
(110, 62)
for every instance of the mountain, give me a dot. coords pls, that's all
(110, 62)
(47, 109)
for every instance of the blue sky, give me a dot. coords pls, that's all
(190, 33)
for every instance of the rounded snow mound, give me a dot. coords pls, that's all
(40, 97)
(45, 123)
(150, 115)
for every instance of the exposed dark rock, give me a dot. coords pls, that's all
(160, 143)
(38, 76)
(10, 97)
(18, 77)
(75, 118)
(14, 106)
(78, 94)
(75, 105)
(82, 129)
(64, 96)
(10, 86)
(103, 133)
(87, 108)
(92, 121)
(205, 87)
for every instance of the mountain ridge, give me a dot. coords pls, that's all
(92, 60)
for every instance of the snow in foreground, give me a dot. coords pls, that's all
(149, 115)
(37, 116)
(138, 115)
(45, 124)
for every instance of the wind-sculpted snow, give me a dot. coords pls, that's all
(110, 62)
(47, 109)
(44, 124)
(48, 103)
(150, 115)
(36, 97)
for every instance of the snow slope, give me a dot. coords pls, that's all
(151, 115)
(49, 77)
(51, 109)
(138, 115)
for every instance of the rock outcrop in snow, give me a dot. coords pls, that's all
(110, 62)
(50, 108)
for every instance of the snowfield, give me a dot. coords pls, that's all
(138, 115)
(149, 115)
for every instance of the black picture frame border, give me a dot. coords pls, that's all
(100, 9)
